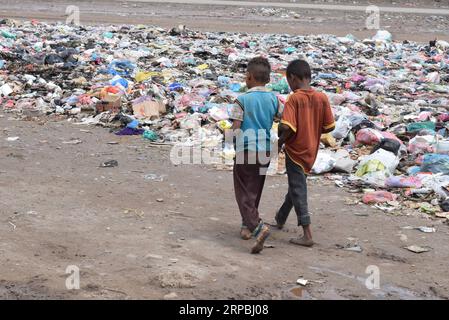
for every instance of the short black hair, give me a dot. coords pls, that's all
(299, 68)
(260, 69)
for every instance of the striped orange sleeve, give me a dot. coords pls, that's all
(330, 126)
(289, 125)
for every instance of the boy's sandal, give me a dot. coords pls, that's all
(275, 223)
(260, 239)
(302, 242)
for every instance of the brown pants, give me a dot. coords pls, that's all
(249, 179)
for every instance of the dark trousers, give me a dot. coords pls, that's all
(249, 179)
(296, 196)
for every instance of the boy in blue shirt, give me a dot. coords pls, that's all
(253, 115)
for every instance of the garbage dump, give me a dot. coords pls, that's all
(390, 99)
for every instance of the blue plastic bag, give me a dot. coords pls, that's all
(120, 81)
(120, 68)
(435, 163)
(223, 81)
(175, 86)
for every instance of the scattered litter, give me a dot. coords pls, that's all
(442, 215)
(302, 281)
(417, 249)
(356, 248)
(72, 142)
(154, 177)
(426, 229)
(109, 164)
(350, 247)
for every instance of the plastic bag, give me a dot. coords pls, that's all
(421, 144)
(150, 135)
(388, 145)
(383, 36)
(324, 163)
(328, 140)
(368, 136)
(377, 167)
(403, 182)
(435, 163)
(336, 99)
(191, 121)
(378, 197)
(219, 113)
(343, 162)
(418, 126)
(438, 183)
(442, 147)
(280, 86)
(342, 127)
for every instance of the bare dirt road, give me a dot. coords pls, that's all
(59, 208)
(309, 17)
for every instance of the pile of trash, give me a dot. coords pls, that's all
(390, 99)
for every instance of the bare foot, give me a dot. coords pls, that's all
(302, 241)
(245, 234)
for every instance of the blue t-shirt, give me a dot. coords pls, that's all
(257, 109)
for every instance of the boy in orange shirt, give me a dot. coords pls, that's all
(307, 115)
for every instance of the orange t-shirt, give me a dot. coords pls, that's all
(308, 114)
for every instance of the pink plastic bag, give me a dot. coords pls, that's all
(403, 182)
(424, 116)
(443, 117)
(378, 197)
(389, 135)
(368, 136)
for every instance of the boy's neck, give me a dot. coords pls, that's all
(256, 85)
(303, 87)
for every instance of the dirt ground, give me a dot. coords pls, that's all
(59, 208)
(417, 27)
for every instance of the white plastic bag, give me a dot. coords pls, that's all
(383, 36)
(343, 162)
(324, 163)
(388, 159)
(342, 127)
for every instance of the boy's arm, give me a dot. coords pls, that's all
(288, 126)
(236, 124)
(328, 119)
(230, 133)
(284, 133)
(236, 115)
(280, 110)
